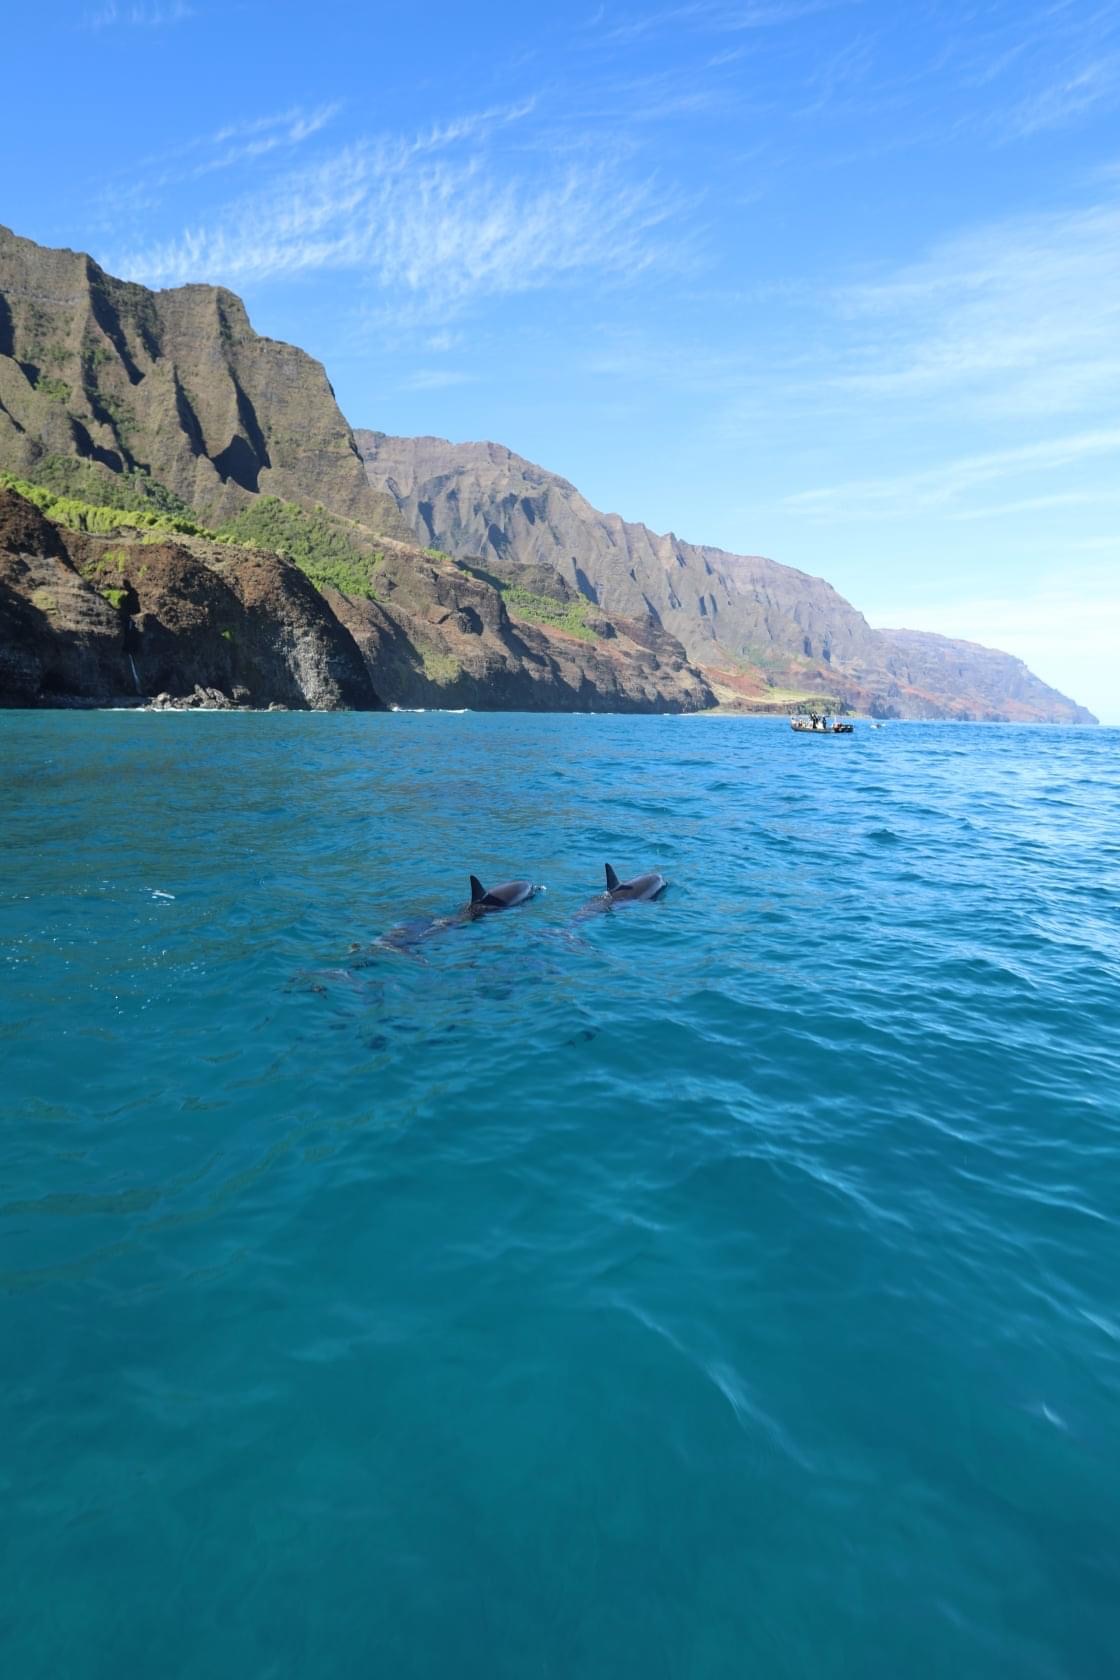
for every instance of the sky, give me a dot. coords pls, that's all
(836, 281)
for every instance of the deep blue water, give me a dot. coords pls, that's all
(725, 1287)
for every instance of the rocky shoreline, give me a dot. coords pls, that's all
(184, 622)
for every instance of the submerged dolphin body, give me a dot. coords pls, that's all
(406, 937)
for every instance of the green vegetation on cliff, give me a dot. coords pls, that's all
(86, 481)
(79, 515)
(316, 542)
(563, 611)
(568, 616)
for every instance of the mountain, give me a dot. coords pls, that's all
(214, 467)
(925, 662)
(437, 633)
(206, 496)
(97, 620)
(104, 383)
(101, 606)
(756, 627)
(481, 499)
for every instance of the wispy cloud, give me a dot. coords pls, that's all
(147, 16)
(1039, 67)
(440, 218)
(947, 487)
(1023, 316)
(711, 16)
(438, 379)
(280, 134)
(1071, 95)
(250, 142)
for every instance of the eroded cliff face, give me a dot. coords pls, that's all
(996, 686)
(107, 620)
(112, 620)
(122, 396)
(753, 626)
(439, 634)
(481, 499)
(171, 386)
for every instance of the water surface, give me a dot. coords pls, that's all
(726, 1286)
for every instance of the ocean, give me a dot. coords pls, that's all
(723, 1286)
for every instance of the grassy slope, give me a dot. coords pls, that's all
(317, 543)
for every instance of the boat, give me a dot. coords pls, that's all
(818, 723)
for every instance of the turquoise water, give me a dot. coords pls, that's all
(721, 1287)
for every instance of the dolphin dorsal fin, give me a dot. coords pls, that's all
(612, 879)
(478, 891)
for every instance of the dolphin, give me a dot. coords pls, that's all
(496, 898)
(408, 935)
(640, 890)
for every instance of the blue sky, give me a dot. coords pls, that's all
(836, 281)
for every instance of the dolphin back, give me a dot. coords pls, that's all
(498, 898)
(642, 887)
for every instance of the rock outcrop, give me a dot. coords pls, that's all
(753, 625)
(170, 389)
(182, 620)
(107, 620)
(441, 634)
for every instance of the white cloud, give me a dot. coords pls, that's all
(1038, 67)
(437, 379)
(261, 138)
(951, 483)
(139, 192)
(1022, 316)
(440, 217)
(148, 16)
(1065, 99)
(714, 16)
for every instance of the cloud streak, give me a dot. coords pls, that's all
(945, 487)
(1071, 96)
(236, 145)
(438, 379)
(437, 218)
(1022, 316)
(286, 132)
(154, 16)
(713, 17)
